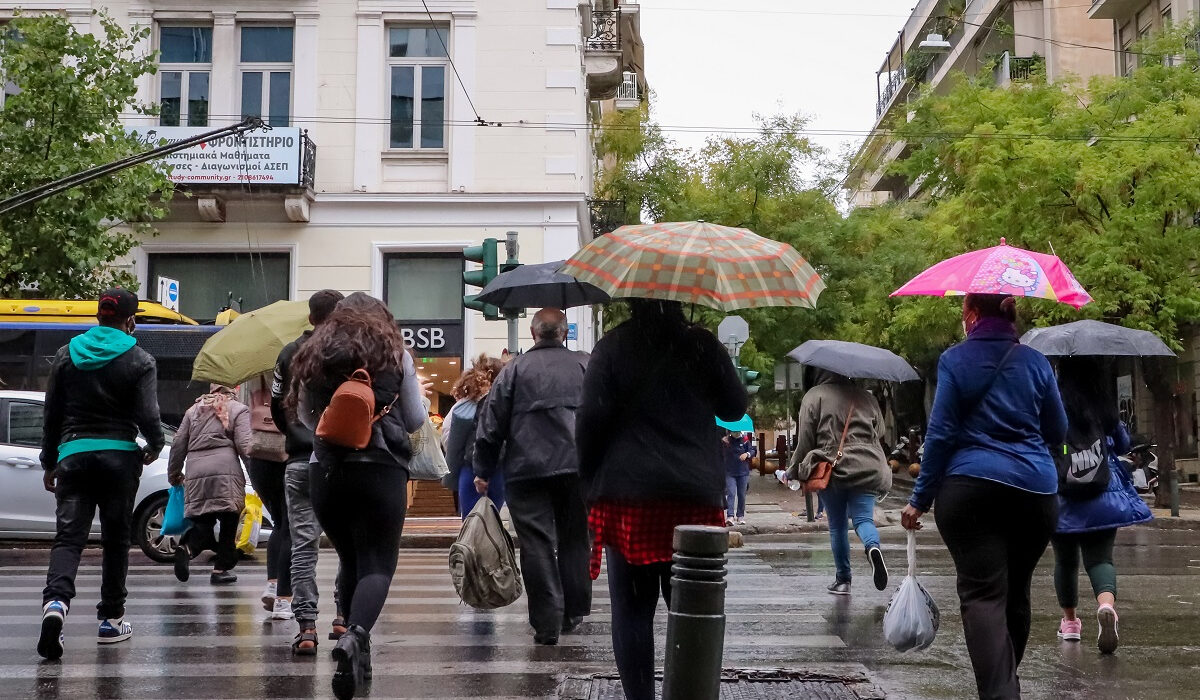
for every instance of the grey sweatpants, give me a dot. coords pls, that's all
(306, 539)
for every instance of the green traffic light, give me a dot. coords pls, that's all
(487, 255)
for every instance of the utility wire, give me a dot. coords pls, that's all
(446, 49)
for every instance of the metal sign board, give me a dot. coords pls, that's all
(572, 331)
(733, 332)
(784, 374)
(267, 157)
(168, 293)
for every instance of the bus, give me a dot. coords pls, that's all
(81, 311)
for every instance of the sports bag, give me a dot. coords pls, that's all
(266, 442)
(483, 561)
(350, 416)
(1082, 463)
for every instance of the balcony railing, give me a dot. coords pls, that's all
(607, 215)
(1011, 68)
(889, 90)
(308, 161)
(627, 93)
(606, 31)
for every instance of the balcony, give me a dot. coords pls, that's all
(607, 215)
(602, 53)
(888, 90)
(1010, 69)
(627, 92)
(1115, 9)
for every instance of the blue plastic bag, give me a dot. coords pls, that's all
(173, 521)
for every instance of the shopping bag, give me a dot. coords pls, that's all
(247, 540)
(427, 463)
(912, 618)
(173, 521)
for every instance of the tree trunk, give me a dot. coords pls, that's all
(1159, 373)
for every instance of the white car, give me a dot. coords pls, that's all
(27, 509)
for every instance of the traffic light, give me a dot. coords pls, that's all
(747, 377)
(487, 256)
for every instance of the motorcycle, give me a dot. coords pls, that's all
(907, 453)
(1142, 465)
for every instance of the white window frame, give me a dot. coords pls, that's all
(266, 69)
(186, 70)
(418, 63)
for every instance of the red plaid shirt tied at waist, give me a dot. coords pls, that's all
(643, 531)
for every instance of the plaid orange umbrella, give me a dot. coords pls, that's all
(697, 262)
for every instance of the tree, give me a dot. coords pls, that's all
(73, 90)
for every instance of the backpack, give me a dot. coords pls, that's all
(483, 561)
(350, 416)
(266, 441)
(1082, 463)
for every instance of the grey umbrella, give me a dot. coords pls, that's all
(538, 286)
(855, 360)
(1095, 338)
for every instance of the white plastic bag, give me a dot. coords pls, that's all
(912, 618)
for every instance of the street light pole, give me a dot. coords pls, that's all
(512, 248)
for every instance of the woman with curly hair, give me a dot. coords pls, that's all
(470, 390)
(360, 496)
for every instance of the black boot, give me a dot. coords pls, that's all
(352, 655)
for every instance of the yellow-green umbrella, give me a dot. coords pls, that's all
(249, 345)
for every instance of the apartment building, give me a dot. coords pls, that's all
(1132, 20)
(1005, 39)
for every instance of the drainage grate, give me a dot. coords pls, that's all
(744, 685)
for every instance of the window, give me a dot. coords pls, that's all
(266, 58)
(418, 62)
(25, 424)
(206, 280)
(7, 87)
(185, 64)
(1127, 59)
(424, 287)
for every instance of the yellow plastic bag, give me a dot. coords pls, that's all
(247, 540)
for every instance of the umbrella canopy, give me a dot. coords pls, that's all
(538, 286)
(742, 425)
(855, 360)
(1095, 338)
(250, 344)
(698, 263)
(999, 270)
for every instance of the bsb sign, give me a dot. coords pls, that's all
(433, 339)
(268, 157)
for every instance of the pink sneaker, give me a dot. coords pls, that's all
(1107, 640)
(1070, 630)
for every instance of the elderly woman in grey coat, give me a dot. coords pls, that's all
(213, 437)
(838, 415)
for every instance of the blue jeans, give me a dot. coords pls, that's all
(843, 505)
(468, 497)
(735, 495)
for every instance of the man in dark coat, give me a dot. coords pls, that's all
(527, 429)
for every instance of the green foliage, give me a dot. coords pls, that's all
(73, 89)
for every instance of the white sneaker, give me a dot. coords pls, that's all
(282, 609)
(268, 596)
(741, 521)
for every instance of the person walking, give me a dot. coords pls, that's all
(304, 530)
(649, 457)
(987, 463)
(360, 495)
(840, 423)
(736, 452)
(211, 441)
(471, 391)
(1087, 526)
(526, 435)
(266, 472)
(102, 391)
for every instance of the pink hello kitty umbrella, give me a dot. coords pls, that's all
(1000, 270)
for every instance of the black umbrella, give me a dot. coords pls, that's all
(855, 360)
(538, 286)
(1095, 338)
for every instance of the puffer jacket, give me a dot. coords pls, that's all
(214, 481)
(863, 466)
(1119, 505)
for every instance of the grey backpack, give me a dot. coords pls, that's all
(483, 561)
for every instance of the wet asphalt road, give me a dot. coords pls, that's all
(196, 641)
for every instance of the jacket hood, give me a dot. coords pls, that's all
(465, 409)
(817, 376)
(99, 346)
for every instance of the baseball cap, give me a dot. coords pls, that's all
(118, 303)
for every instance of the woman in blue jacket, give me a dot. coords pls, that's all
(1088, 526)
(736, 453)
(987, 463)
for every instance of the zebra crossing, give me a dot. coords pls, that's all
(194, 640)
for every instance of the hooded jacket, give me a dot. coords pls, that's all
(1119, 505)
(215, 482)
(101, 393)
(298, 438)
(823, 413)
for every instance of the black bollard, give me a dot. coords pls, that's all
(696, 620)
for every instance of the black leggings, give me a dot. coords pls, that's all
(634, 592)
(996, 534)
(361, 507)
(267, 479)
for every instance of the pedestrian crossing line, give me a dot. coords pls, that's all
(467, 617)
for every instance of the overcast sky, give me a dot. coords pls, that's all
(715, 63)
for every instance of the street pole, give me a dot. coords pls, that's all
(512, 250)
(696, 619)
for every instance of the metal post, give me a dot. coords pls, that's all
(512, 250)
(513, 340)
(1173, 485)
(696, 620)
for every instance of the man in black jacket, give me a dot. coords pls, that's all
(530, 415)
(102, 391)
(298, 443)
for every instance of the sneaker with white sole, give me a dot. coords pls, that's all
(1107, 640)
(113, 631)
(282, 610)
(879, 573)
(268, 596)
(1070, 630)
(50, 643)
